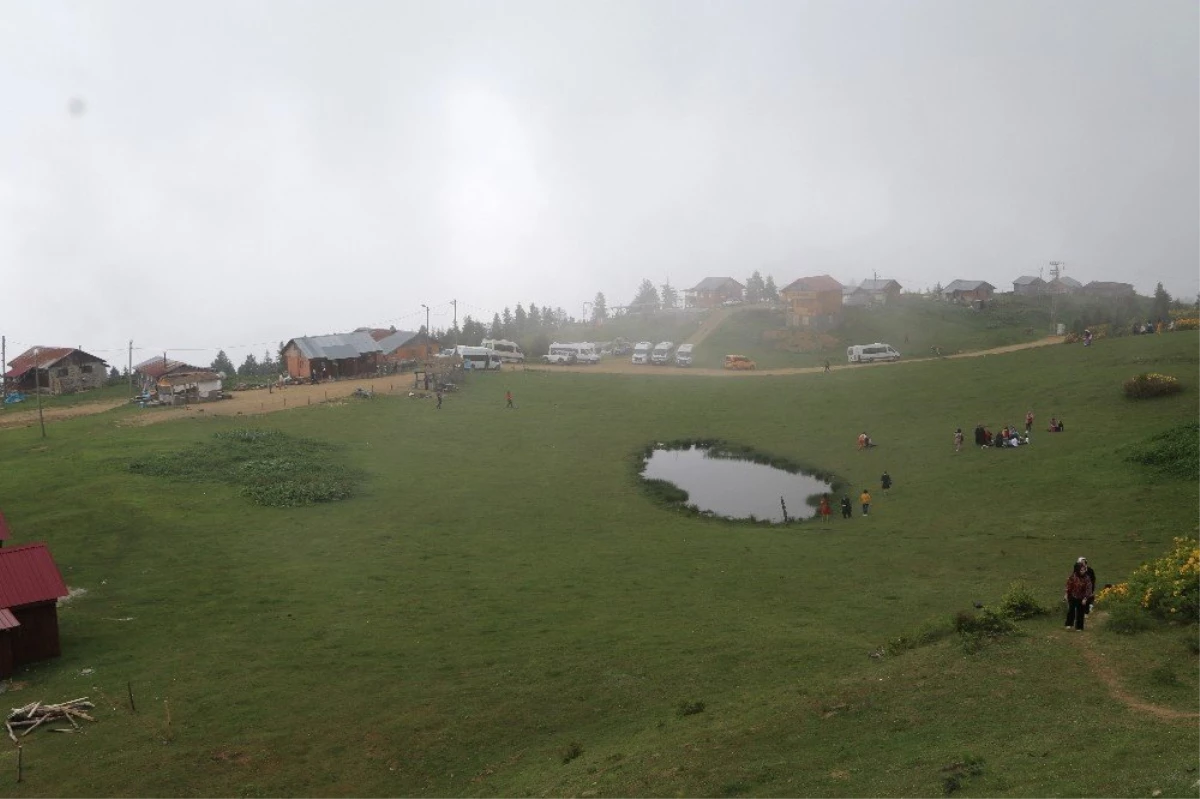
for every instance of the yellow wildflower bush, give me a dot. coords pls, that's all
(1151, 384)
(1168, 587)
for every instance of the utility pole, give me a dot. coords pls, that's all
(37, 387)
(130, 368)
(3, 370)
(455, 304)
(1056, 269)
(426, 307)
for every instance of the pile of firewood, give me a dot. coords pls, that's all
(27, 719)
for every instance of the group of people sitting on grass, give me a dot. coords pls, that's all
(864, 441)
(1009, 436)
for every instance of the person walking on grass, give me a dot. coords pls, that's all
(958, 440)
(508, 400)
(885, 481)
(826, 366)
(1091, 575)
(865, 499)
(823, 509)
(439, 399)
(1028, 422)
(847, 508)
(1079, 588)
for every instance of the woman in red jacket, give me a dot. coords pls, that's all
(1079, 588)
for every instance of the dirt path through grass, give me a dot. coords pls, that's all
(625, 366)
(1104, 671)
(28, 415)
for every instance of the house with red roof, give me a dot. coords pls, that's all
(62, 370)
(814, 302)
(30, 587)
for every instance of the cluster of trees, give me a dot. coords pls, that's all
(516, 324)
(651, 298)
(251, 367)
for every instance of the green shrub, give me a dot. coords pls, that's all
(1126, 618)
(270, 467)
(1151, 384)
(1019, 602)
(689, 708)
(1174, 452)
(977, 631)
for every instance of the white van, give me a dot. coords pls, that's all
(573, 352)
(478, 357)
(866, 353)
(641, 351)
(509, 351)
(662, 352)
(683, 355)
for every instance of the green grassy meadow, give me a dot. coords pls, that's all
(911, 324)
(503, 611)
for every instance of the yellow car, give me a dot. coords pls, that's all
(739, 362)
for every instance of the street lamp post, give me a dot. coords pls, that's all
(426, 307)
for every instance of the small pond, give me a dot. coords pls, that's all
(731, 485)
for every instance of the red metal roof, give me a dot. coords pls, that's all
(47, 357)
(157, 367)
(7, 620)
(5, 533)
(28, 575)
(818, 283)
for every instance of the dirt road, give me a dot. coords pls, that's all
(241, 403)
(625, 366)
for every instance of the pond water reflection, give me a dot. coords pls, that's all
(734, 487)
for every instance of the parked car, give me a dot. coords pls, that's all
(739, 362)
(662, 352)
(683, 355)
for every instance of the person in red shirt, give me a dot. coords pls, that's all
(824, 508)
(1028, 422)
(1079, 588)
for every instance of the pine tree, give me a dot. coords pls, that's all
(519, 320)
(755, 288)
(535, 318)
(495, 332)
(1160, 308)
(770, 293)
(599, 307)
(223, 365)
(646, 299)
(249, 366)
(670, 297)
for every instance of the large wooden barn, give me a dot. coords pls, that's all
(30, 587)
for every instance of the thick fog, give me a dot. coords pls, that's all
(196, 175)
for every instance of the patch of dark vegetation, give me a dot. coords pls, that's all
(1019, 602)
(1174, 452)
(956, 775)
(570, 752)
(666, 492)
(689, 708)
(1151, 384)
(1127, 618)
(977, 630)
(929, 633)
(271, 467)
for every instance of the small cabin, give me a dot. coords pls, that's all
(30, 587)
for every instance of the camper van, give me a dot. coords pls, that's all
(573, 352)
(509, 351)
(662, 352)
(683, 355)
(478, 357)
(641, 351)
(866, 353)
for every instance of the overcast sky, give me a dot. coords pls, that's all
(195, 175)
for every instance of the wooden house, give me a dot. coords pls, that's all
(404, 347)
(30, 587)
(340, 355)
(814, 302)
(1064, 285)
(877, 292)
(1108, 288)
(59, 370)
(1030, 286)
(712, 292)
(185, 388)
(968, 291)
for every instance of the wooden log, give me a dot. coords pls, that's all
(10, 733)
(34, 727)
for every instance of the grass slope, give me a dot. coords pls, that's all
(912, 325)
(502, 597)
